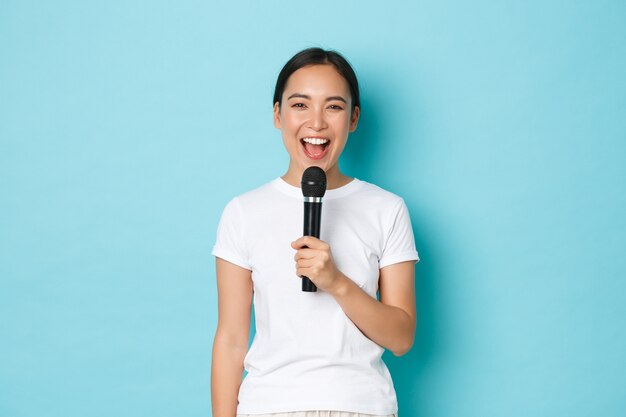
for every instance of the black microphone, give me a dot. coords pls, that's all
(313, 189)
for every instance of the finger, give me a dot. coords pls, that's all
(305, 253)
(305, 263)
(305, 272)
(304, 242)
(309, 242)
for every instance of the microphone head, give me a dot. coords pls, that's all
(313, 182)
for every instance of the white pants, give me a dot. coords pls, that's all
(314, 414)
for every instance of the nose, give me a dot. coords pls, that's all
(318, 121)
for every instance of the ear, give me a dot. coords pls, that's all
(277, 123)
(354, 118)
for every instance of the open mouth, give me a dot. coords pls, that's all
(315, 148)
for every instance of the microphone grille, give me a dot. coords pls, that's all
(313, 182)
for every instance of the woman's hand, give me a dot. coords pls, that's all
(389, 322)
(314, 260)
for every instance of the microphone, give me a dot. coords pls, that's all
(313, 189)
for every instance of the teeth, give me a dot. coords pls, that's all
(315, 141)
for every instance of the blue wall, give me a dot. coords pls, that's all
(126, 126)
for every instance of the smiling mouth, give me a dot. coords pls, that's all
(315, 148)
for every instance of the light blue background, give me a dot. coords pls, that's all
(126, 126)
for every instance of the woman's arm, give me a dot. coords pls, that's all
(389, 322)
(234, 287)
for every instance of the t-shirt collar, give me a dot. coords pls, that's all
(296, 192)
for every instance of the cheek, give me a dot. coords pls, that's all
(292, 123)
(342, 125)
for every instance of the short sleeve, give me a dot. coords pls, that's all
(230, 243)
(399, 245)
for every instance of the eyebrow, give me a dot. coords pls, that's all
(332, 98)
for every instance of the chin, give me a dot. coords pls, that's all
(320, 164)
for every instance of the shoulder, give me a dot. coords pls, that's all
(258, 202)
(377, 195)
(260, 193)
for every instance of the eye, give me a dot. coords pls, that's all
(298, 105)
(335, 107)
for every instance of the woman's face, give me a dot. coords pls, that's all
(315, 118)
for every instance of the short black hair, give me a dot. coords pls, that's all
(318, 56)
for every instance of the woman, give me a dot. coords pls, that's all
(313, 353)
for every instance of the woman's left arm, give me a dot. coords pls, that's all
(389, 322)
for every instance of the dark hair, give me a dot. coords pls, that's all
(317, 56)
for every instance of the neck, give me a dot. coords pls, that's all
(334, 177)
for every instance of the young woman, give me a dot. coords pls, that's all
(314, 354)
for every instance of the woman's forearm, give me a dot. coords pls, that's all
(226, 375)
(390, 327)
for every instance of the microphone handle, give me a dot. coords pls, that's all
(312, 220)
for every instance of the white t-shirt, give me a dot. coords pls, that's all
(307, 354)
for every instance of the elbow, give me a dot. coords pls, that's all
(400, 352)
(404, 343)
(402, 349)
